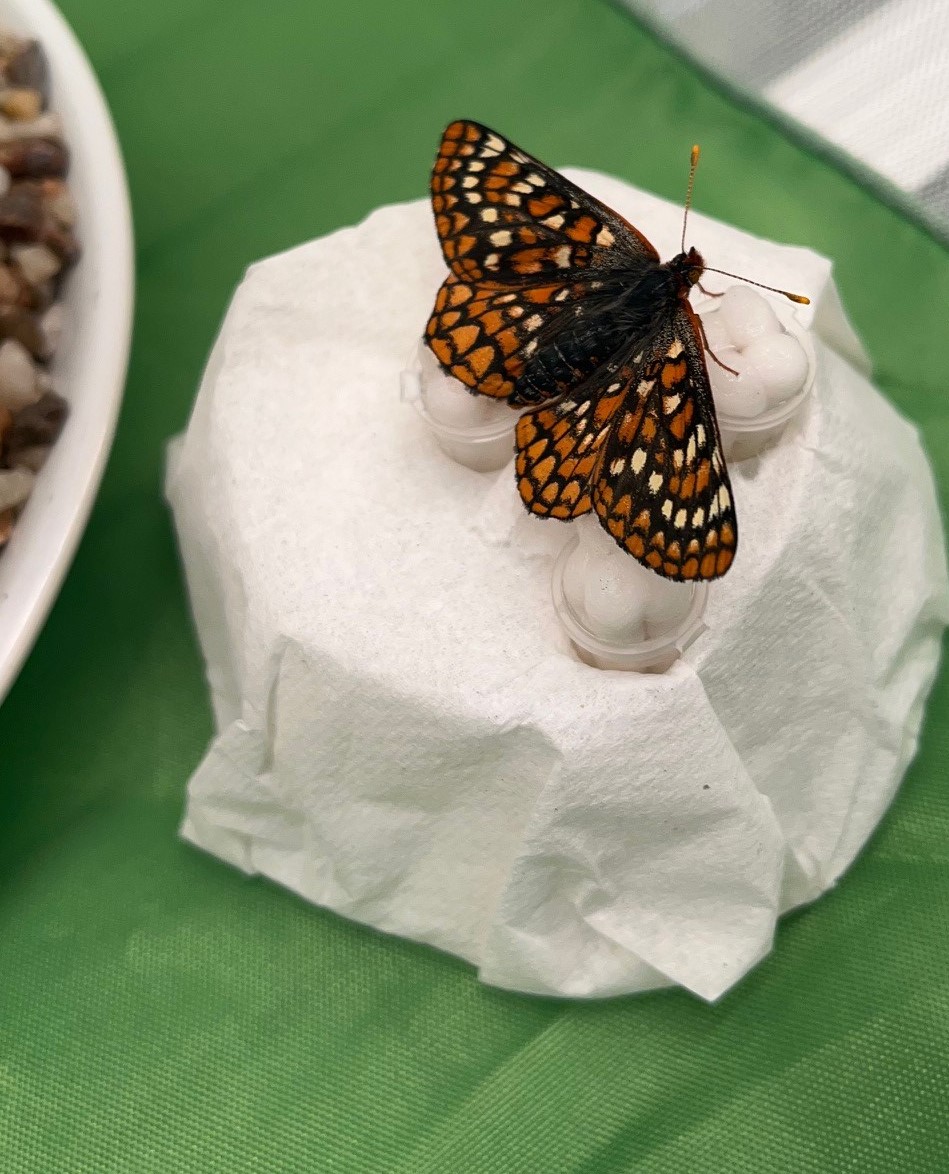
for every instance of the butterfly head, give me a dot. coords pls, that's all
(687, 268)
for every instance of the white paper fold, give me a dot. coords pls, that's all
(404, 734)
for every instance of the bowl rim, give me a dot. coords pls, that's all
(25, 611)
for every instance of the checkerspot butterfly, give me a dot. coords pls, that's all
(557, 304)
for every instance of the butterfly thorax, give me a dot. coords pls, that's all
(686, 270)
(619, 312)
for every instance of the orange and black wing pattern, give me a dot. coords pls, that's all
(640, 445)
(523, 245)
(557, 304)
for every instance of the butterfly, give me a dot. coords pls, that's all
(557, 304)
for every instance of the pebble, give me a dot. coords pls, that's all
(9, 286)
(32, 458)
(15, 487)
(37, 263)
(47, 126)
(58, 201)
(18, 387)
(23, 105)
(51, 325)
(37, 424)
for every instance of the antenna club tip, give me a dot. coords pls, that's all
(695, 153)
(799, 298)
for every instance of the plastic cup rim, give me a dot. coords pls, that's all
(643, 651)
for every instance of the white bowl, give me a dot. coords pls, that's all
(90, 366)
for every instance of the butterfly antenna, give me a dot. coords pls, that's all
(694, 162)
(792, 297)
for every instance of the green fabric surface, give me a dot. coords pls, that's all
(161, 1012)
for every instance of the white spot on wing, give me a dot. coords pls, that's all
(675, 350)
(470, 181)
(639, 460)
(667, 508)
(618, 465)
(655, 482)
(501, 237)
(494, 143)
(562, 256)
(534, 322)
(604, 238)
(680, 519)
(698, 518)
(489, 214)
(555, 221)
(670, 403)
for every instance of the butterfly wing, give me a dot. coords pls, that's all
(639, 443)
(525, 247)
(560, 448)
(502, 215)
(661, 488)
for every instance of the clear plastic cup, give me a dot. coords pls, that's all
(745, 437)
(653, 655)
(485, 446)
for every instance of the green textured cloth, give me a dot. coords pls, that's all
(161, 1012)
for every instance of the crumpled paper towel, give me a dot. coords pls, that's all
(404, 735)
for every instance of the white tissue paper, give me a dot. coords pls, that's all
(404, 735)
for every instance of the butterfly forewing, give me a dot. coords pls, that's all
(502, 215)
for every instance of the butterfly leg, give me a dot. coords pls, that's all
(706, 347)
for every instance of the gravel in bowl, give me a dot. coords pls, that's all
(37, 247)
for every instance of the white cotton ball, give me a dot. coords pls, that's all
(575, 577)
(740, 396)
(717, 334)
(747, 315)
(448, 401)
(779, 362)
(667, 605)
(613, 599)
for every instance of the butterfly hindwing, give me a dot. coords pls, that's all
(560, 447)
(662, 489)
(485, 335)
